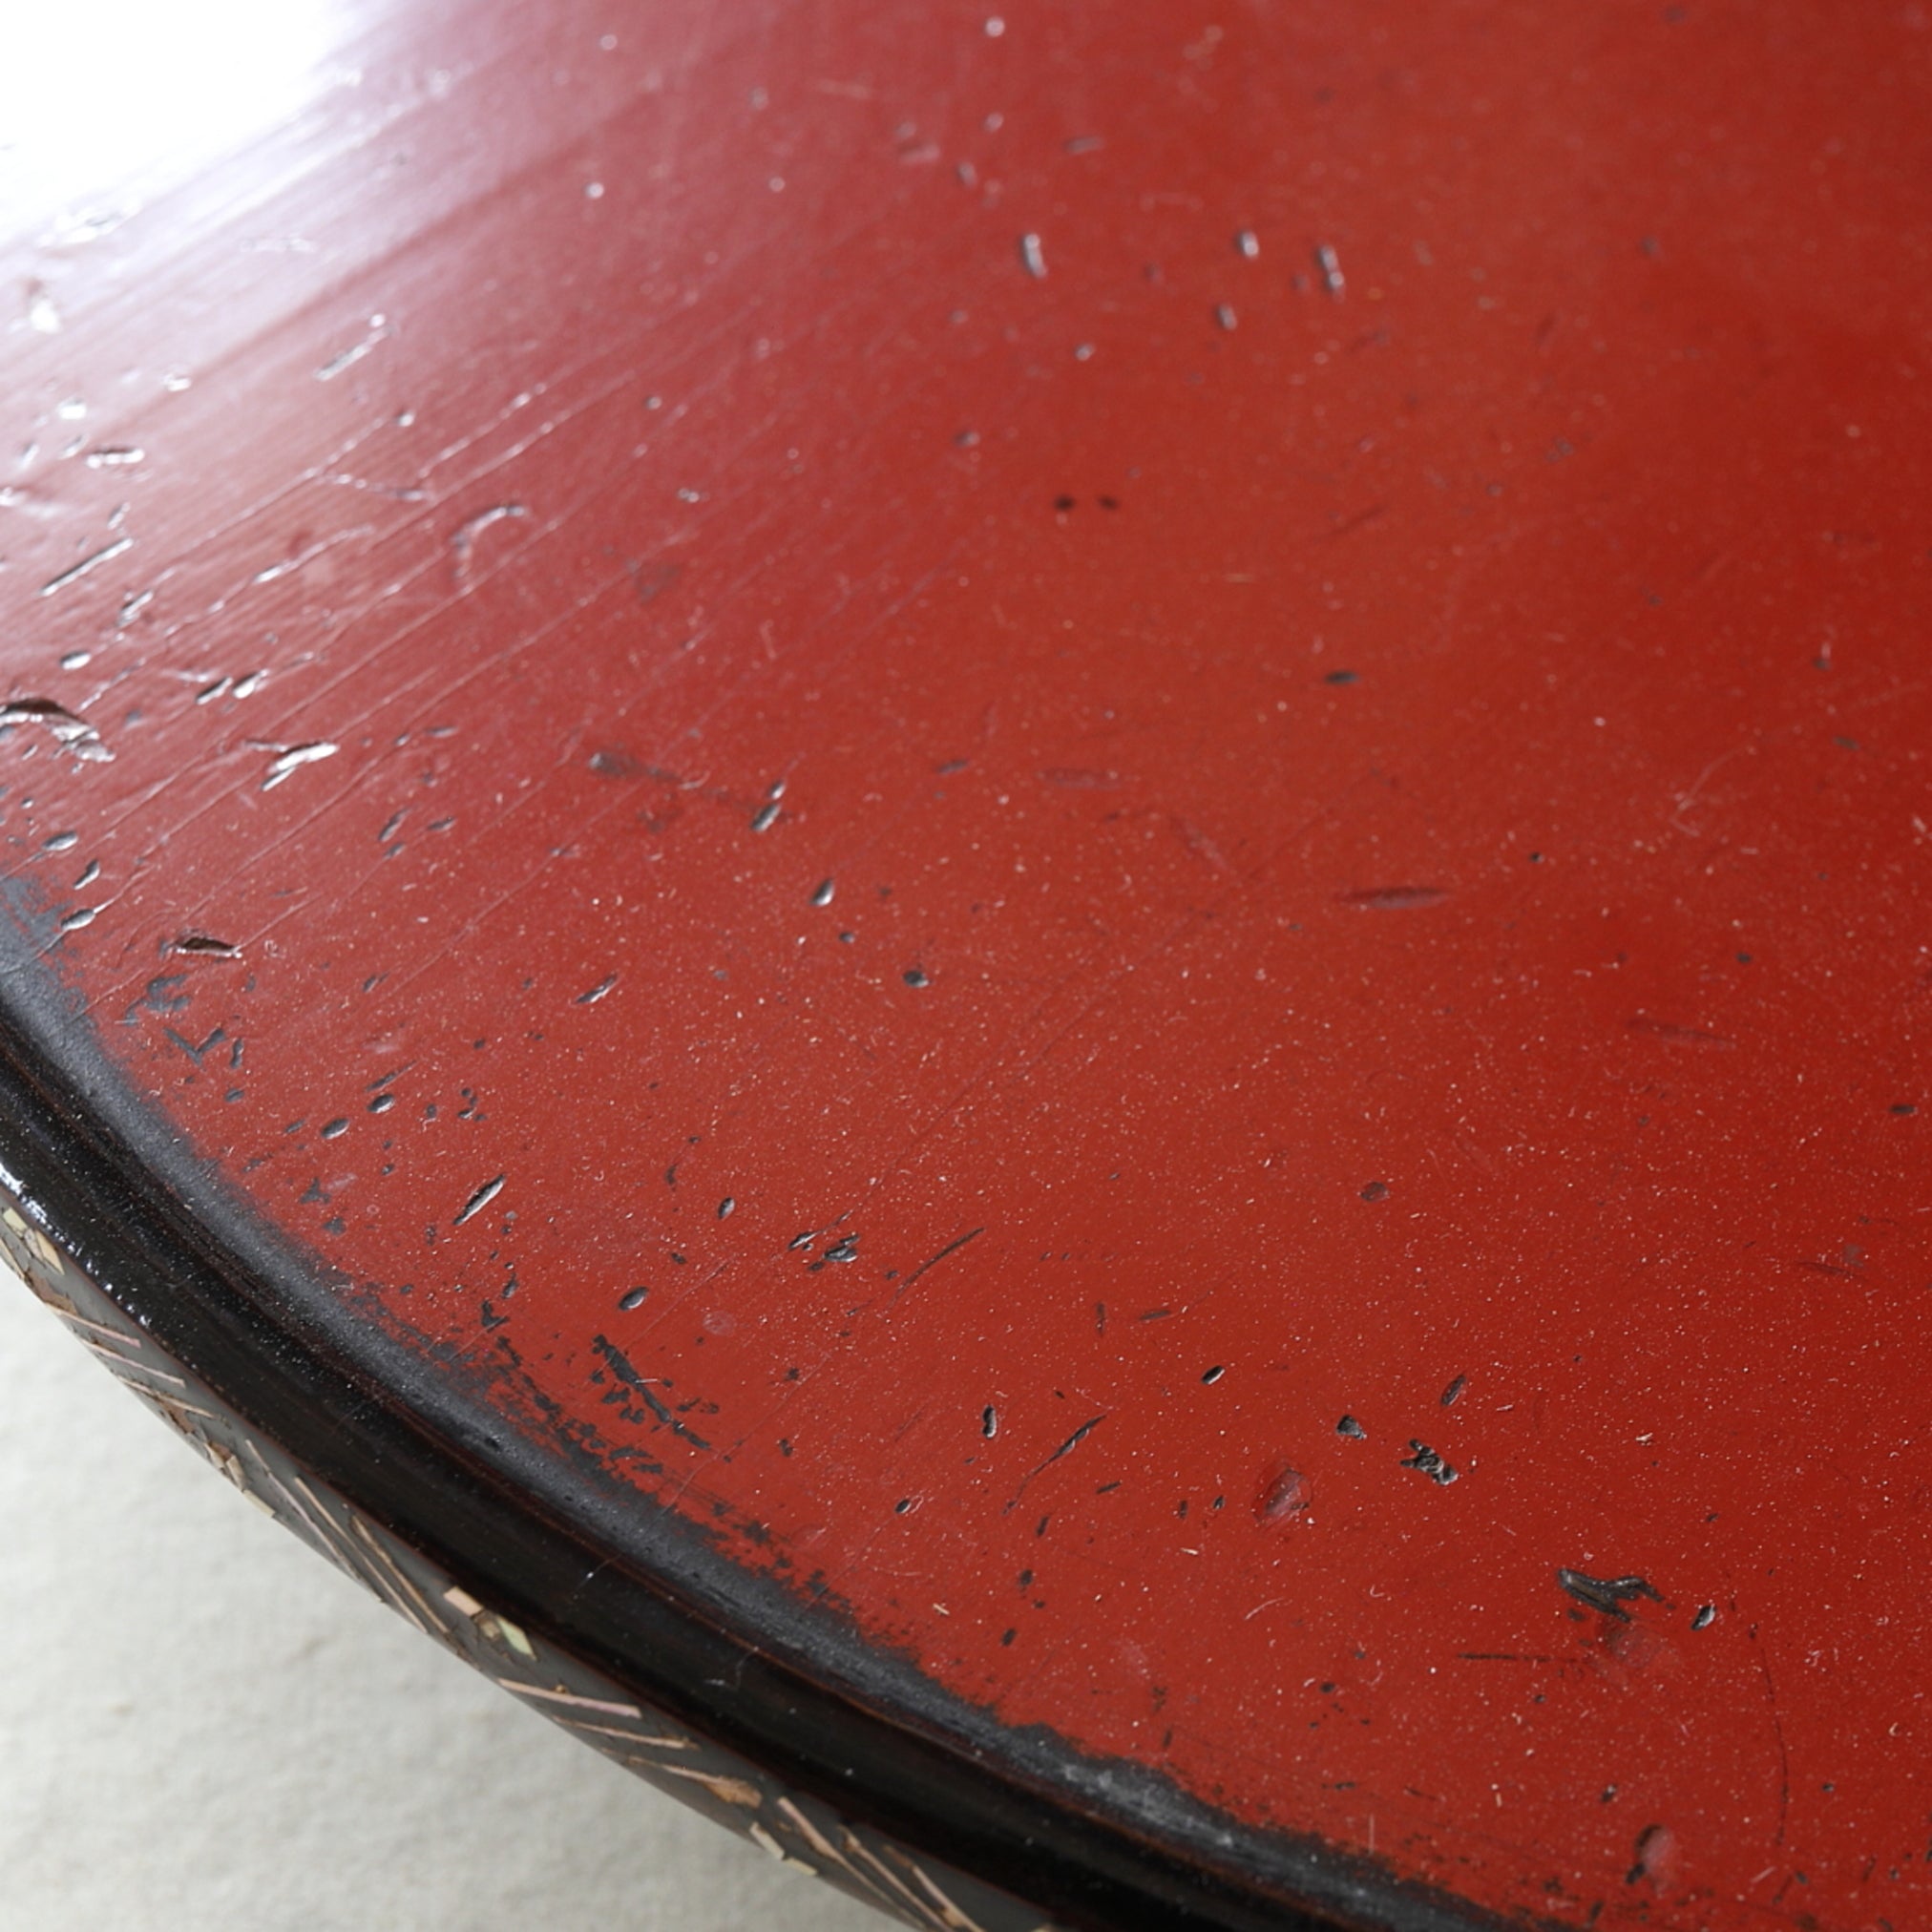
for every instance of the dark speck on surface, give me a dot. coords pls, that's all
(1607, 1595)
(1430, 1463)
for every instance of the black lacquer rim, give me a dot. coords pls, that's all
(634, 1592)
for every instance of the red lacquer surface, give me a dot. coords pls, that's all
(1336, 596)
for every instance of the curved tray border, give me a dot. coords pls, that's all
(637, 1604)
(792, 1827)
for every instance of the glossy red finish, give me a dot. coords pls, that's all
(1241, 698)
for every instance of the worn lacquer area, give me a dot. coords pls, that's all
(1111, 824)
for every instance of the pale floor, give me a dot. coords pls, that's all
(204, 1724)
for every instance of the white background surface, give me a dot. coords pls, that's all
(202, 1723)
